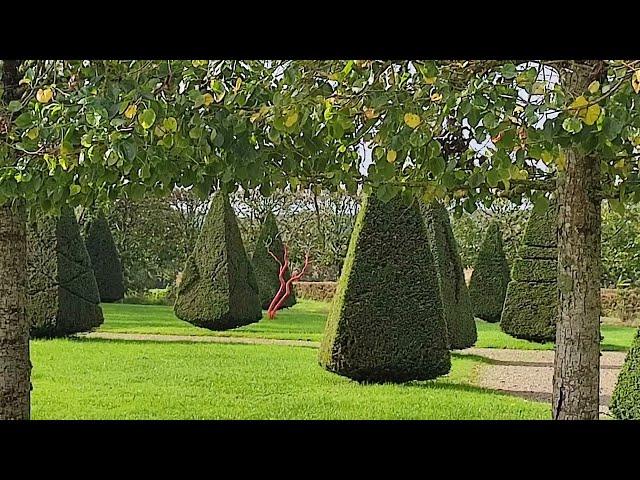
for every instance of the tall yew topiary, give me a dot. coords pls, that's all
(456, 303)
(531, 304)
(490, 277)
(218, 288)
(105, 259)
(62, 294)
(265, 267)
(386, 321)
(625, 401)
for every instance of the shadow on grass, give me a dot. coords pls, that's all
(517, 363)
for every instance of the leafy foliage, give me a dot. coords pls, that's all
(386, 322)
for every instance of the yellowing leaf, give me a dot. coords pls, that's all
(237, 86)
(412, 120)
(430, 80)
(33, 133)
(291, 119)
(170, 124)
(561, 161)
(619, 164)
(635, 81)
(391, 156)
(578, 104)
(207, 99)
(369, 113)
(44, 96)
(594, 86)
(593, 113)
(537, 88)
(436, 97)
(131, 111)
(219, 96)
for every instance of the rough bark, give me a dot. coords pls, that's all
(15, 367)
(577, 357)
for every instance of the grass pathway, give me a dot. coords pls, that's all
(153, 337)
(523, 373)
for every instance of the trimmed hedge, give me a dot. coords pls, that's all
(62, 294)
(458, 311)
(105, 259)
(265, 266)
(218, 289)
(490, 277)
(531, 305)
(625, 401)
(386, 322)
(321, 291)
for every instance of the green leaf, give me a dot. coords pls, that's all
(170, 124)
(74, 189)
(508, 71)
(14, 106)
(24, 120)
(572, 125)
(147, 118)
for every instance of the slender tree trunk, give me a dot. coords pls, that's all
(15, 366)
(577, 357)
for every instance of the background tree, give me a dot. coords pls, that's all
(219, 289)
(267, 268)
(105, 259)
(386, 323)
(531, 304)
(456, 302)
(490, 277)
(62, 293)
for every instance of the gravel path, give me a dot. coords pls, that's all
(529, 373)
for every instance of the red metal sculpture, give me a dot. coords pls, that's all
(285, 285)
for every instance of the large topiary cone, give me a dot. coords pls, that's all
(218, 288)
(62, 294)
(105, 260)
(265, 266)
(490, 277)
(458, 311)
(625, 401)
(531, 304)
(386, 321)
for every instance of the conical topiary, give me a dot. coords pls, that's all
(531, 304)
(218, 288)
(105, 259)
(386, 322)
(458, 312)
(490, 277)
(62, 294)
(265, 267)
(625, 400)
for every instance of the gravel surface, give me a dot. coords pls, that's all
(529, 373)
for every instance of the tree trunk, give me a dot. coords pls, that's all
(15, 366)
(577, 358)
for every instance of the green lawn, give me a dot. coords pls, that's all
(98, 379)
(305, 321)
